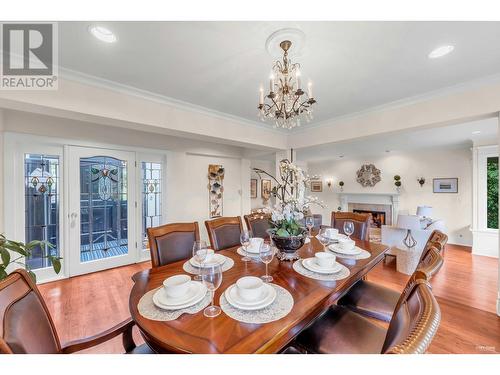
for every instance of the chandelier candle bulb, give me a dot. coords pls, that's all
(310, 90)
(261, 96)
(271, 83)
(298, 80)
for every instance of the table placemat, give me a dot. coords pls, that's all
(188, 267)
(362, 255)
(342, 274)
(280, 308)
(149, 310)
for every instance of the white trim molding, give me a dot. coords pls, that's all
(484, 239)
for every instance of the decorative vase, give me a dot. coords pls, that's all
(288, 246)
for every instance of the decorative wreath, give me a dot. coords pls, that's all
(368, 175)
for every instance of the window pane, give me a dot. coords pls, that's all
(151, 197)
(41, 196)
(492, 191)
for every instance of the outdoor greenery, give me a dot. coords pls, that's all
(492, 192)
(22, 250)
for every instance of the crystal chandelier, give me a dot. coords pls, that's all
(287, 104)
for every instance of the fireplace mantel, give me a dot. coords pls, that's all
(389, 198)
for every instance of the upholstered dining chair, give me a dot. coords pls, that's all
(224, 232)
(437, 239)
(375, 301)
(172, 242)
(27, 327)
(361, 222)
(342, 331)
(258, 224)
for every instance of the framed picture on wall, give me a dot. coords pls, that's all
(316, 186)
(253, 188)
(445, 185)
(265, 189)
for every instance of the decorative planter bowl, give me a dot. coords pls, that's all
(288, 246)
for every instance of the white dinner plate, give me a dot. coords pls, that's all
(338, 249)
(248, 253)
(196, 293)
(217, 259)
(311, 265)
(235, 300)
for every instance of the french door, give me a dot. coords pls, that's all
(102, 209)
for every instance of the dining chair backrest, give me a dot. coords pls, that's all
(431, 263)
(258, 224)
(361, 222)
(26, 325)
(172, 242)
(415, 321)
(438, 240)
(224, 232)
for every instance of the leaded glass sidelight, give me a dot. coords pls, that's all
(41, 197)
(151, 197)
(103, 208)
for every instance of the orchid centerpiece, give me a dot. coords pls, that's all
(287, 215)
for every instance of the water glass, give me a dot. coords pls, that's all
(309, 224)
(266, 254)
(348, 228)
(323, 237)
(200, 251)
(211, 276)
(245, 238)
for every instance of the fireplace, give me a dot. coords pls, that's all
(378, 217)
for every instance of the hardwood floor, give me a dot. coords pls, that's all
(466, 289)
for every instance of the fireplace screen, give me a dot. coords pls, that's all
(378, 217)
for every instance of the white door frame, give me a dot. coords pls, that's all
(74, 154)
(17, 144)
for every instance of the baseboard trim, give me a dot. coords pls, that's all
(462, 247)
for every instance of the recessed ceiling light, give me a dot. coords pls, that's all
(441, 51)
(476, 132)
(103, 34)
(387, 150)
(341, 156)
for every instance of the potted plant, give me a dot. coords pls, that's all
(397, 182)
(23, 251)
(287, 227)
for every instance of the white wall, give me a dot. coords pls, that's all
(454, 209)
(187, 162)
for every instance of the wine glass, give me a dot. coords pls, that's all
(211, 276)
(323, 238)
(348, 228)
(200, 251)
(266, 254)
(245, 237)
(309, 224)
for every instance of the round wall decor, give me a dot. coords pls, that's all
(368, 175)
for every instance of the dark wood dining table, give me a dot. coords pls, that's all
(198, 334)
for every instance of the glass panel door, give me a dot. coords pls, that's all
(101, 209)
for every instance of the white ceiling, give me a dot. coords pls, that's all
(220, 65)
(453, 136)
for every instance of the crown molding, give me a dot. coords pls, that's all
(91, 80)
(449, 90)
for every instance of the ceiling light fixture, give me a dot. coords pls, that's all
(441, 51)
(103, 34)
(287, 103)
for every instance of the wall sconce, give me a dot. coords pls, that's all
(329, 182)
(421, 181)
